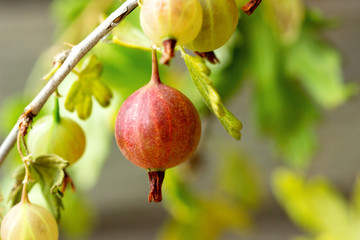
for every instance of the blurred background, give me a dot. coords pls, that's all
(117, 199)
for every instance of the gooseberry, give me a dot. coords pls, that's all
(171, 22)
(63, 137)
(157, 128)
(220, 18)
(27, 221)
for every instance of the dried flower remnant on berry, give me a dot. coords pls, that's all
(250, 7)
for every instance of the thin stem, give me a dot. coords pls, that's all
(25, 146)
(19, 137)
(56, 113)
(24, 196)
(75, 72)
(75, 55)
(52, 72)
(20, 140)
(155, 77)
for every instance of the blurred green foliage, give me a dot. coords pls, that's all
(75, 202)
(317, 207)
(293, 74)
(292, 80)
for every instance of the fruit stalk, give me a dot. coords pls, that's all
(24, 195)
(155, 76)
(57, 117)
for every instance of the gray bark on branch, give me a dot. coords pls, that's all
(76, 54)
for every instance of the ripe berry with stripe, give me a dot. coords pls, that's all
(157, 128)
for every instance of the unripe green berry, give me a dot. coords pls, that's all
(179, 20)
(220, 18)
(27, 221)
(64, 138)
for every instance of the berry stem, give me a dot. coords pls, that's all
(155, 77)
(24, 196)
(22, 143)
(156, 179)
(57, 117)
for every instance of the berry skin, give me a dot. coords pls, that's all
(64, 138)
(220, 18)
(157, 128)
(171, 19)
(27, 221)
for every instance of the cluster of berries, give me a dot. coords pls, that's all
(200, 25)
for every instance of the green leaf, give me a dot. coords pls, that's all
(198, 217)
(299, 146)
(52, 166)
(126, 34)
(283, 109)
(101, 92)
(88, 84)
(288, 188)
(174, 230)
(314, 205)
(180, 202)
(48, 171)
(135, 70)
(66, 11)
(213, 219)
(16, 190)
(318, 68)
(238, 178)
(90, 68)
(78, 219)
(70, 101)
(220, 215)
(199, 74)
(84, 106)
